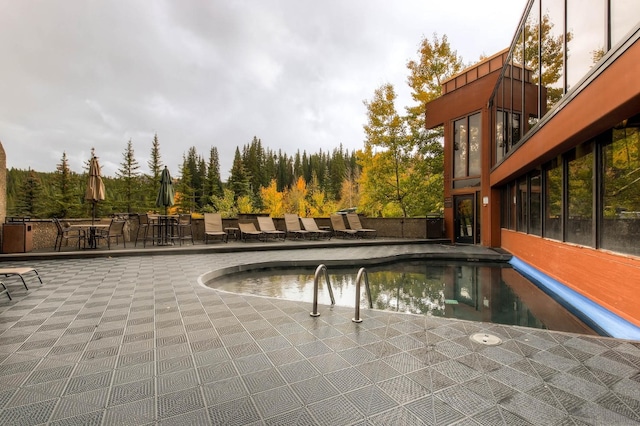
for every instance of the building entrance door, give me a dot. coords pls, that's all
(465, 219)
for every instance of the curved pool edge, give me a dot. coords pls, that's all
(594, 315)
(356, 263)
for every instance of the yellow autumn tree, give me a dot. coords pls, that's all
(272, 199)
(296, 198)
(244, 204)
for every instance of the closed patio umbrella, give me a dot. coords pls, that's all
(95, 186)
(166, 193)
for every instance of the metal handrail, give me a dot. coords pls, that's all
(316, 277)
(362, 272)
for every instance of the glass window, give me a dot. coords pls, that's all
(514, 129)
(552, 33)
(467, 136)
(535, 204)
(475, 137)
(580, 195)
(522, 199)
(585, 37)
(621, 189)
(624, 17)
(504, 207)
(500, 135)
(531, 52)
(553, 199)
(512, 206)
(460, 148)
(507, 132)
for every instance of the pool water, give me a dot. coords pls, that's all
(492, 293)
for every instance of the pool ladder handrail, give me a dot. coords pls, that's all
(316, 278)
(361, 273)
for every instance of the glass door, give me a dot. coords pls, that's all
(465, 219)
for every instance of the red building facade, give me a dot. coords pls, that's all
(542, 149)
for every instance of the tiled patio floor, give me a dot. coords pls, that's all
(138, 340)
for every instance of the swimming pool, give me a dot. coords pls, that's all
(487, 292)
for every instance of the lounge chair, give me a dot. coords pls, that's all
(213, 227)
(248, 230)
(339, 228)
(20, 272)
(4, 290)
(310, 225)
(354, 223)
(292, 223)
(269, 228)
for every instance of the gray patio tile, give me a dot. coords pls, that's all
(155, 347)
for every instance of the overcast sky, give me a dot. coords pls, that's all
(78, 74)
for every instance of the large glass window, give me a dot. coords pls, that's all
(523, 202)
(624, 17)
(580, 195)
(507, 132)
(553, 199)
(475, 139)
(535, 204)
(552, 40)
(467, 136)
(621, 189)
(513, 205)
(585, 37)
(562, 202)
(460, 148)
(557, 44)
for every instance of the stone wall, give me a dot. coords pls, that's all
(3, 184)
(3, 187)
(44, 231)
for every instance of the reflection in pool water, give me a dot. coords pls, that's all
(477, 292)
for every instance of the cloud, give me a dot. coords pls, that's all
(79, 74)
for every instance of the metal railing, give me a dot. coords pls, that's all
(361, 273)
(316, 278)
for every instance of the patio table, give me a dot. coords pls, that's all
(164, 229)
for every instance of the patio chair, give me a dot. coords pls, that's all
(248, 230)
(266, 225)
(66, 233)
(143, 229)
(115, 230)
(354, 223)
(292, 224)
(310, 225)
(339, 228)
(185, 228)
(213, 227)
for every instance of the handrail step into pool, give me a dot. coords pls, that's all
(316, 278)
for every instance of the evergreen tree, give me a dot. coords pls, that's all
(152, 181)
(66, 196)
(185, 193)
(155, 163)
(29, 202)
(213, 184)
(238, 181)
(128, 173)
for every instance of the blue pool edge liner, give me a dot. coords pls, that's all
(595, 316)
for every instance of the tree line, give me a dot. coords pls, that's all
(399, 172)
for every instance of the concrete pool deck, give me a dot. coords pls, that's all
(132, 337)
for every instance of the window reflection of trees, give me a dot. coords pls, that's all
(621, 188)
(580, 195)
(553, 199)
